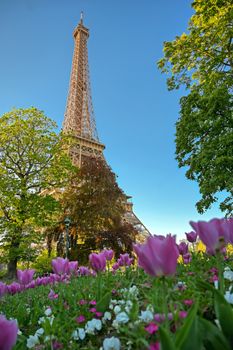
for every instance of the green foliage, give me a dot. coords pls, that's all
(32, 163)
(42, 264)
(204, 143)
(201, 59)
(204, 54)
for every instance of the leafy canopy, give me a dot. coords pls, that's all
(202, 61)
(32, 163)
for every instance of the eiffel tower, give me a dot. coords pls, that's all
(79, 120)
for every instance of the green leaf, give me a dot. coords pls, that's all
(212, 337)
(224, 314)
(166, 340)
(187, 337)
(103, 303)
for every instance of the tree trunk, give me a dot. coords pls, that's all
(13, 258)
(11, 268)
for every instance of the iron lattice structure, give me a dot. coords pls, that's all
(79, 121)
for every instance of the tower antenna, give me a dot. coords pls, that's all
(81, 16)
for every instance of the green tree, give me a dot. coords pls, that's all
(32, 164)
(202, 61)
(95, 204)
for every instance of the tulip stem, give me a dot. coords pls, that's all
(99, 285)
(165, 306)
(220, 272)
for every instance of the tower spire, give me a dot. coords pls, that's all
(81, 17)
(79, 115)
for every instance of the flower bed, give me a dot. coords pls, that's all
(161, 304)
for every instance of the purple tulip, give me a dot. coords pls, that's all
(3, 289)
(125, 260)
(187, 258)
(60, 266)
(8, 333)
(214, 233)
(115, 266)
(227, 225)
(84, 271)
(158, 256)
(191, 236)
(183, 248)
(73, 266)
(14, 288)
(25, 276)
(97, 261)
(108, 254)
(31, 285)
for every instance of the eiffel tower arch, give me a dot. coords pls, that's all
(79, 120)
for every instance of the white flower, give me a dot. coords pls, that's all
(115, 324)
(122, 317)
(117, 309)
(107, 316)
(41, 320)
(74, 335)
(19, 332)
(81, 333)
(39, 332)
(150, 308)
(228, 274)
(32, 341)
(218, 324)
(51, 318)
(93, 325)
(229, 297)
(111, 344)
(133, 291)
(129, 305)
(48, 311)
(78, 334)
(146, 316)
(216, 284)
(98, 324)
(49, 338)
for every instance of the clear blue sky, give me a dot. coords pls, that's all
(135, 113)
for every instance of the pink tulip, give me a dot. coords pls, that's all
(52, 295)
(73, 266)
(108, 254)
(183, 314)
(152, 328)
(25, 276)
(60, 266)
(158, 256)
(214, 233)
(8, 333)
(97, 261)
(191, 236)
(155, 346)
(183, 248)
